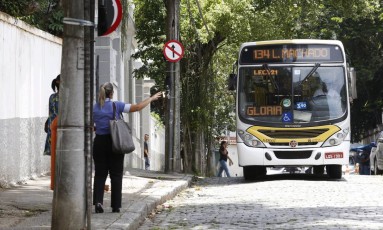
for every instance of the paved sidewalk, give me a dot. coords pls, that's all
(29, 206)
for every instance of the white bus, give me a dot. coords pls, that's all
(292, 106)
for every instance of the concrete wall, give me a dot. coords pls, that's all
(29, 60)
(156, 146)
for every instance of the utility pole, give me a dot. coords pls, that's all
(89, 15)
(177, 97)
(172, 143)
(69, 198)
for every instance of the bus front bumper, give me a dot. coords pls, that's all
(335, 155)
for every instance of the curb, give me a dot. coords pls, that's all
(158, 194)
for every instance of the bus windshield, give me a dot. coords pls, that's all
(291, 94)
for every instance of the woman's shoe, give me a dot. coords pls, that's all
(99, 208)
(115, 210)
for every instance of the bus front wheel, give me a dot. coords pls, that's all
(334, 171)
(318, 169)
(254, 172)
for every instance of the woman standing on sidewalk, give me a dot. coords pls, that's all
(223, 156)
(50, 143)
(105, 161)
(53, 107)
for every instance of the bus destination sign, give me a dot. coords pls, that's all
(290, 53)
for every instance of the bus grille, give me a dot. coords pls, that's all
(293, 134)
(288, 144)
(293, 154)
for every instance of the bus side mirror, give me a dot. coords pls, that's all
(232, 82)
(352, 82)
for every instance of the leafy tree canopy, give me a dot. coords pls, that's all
(44, 14)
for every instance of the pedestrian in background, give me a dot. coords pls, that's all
(50, 142)
(363, 157)
(223, 157)
(53, 107)
(146, 152)
(105, 160)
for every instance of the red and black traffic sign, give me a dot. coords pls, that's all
(173, 51)
(109, 16)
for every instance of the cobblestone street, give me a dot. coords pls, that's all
(295, 201)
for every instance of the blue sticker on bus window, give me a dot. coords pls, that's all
(301, 105)
(287, 117)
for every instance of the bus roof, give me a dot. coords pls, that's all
(294, 41)
(291, 51)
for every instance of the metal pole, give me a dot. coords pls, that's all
(172, 145)
(88, 98)
(170, 22)
(177, 102)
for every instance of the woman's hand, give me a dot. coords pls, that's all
(156, 96)
(143, 104)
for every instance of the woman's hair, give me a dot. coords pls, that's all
(222, 143)
(55, 83)
(105, 91)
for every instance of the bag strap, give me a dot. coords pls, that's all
(114, 112)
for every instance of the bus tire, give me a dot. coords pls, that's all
(334, 171)
(247, 174)
(318, 170)
(260, 171)
(254, 172)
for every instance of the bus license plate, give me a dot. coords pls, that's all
(333, 155)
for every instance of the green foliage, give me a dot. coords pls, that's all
(55, 24)
(46, 15)
(14, 8)
(150, 17)
(159, 121)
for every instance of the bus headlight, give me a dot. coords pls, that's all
(250, 140)
(336, 139)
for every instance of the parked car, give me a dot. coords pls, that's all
(376, 156)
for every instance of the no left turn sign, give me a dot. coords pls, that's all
(173, 51)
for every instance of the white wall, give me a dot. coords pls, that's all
(29, 60)
(156, 146)
(235, 170)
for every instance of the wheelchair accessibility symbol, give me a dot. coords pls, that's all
(287, 117)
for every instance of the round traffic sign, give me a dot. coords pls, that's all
(173, 51)
(109, 16)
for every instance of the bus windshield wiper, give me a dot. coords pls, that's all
(266, 67)
(310, 73)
